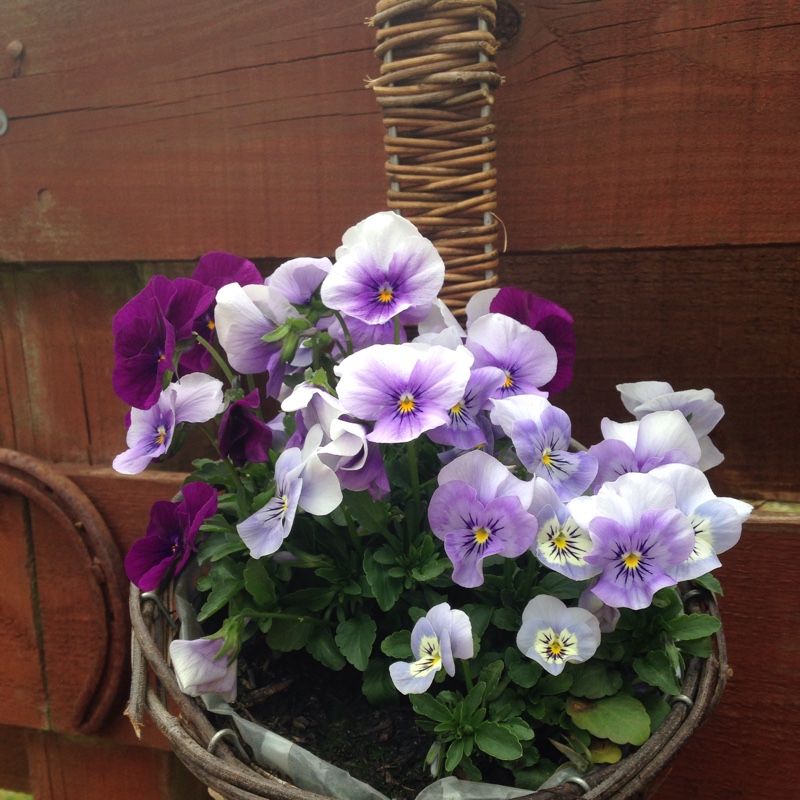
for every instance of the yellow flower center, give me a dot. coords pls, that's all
(560, 541)
(509, 381)
(456, 409)
(211, 324)
(631, 560)
(385, 294)
(481, 535)
(546, 459)
(406, 404)
(556, 647)
(162, 434)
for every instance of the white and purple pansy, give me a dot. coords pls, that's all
(553, 634)
(479, 510)
(200, 669)
(405, 389)
(441, 636)
(383, 268)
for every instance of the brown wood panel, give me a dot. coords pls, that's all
(630, 124)
(723, 318)
(146, 131)
(162, 131)
(78, 768)
(13, 759)
(747, 750)
(23, 699)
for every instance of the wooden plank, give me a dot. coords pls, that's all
(176, 129)
(722, 318)
(247, 127)
(758, 720)
(78, 768)
(13, 759)
(23, 699)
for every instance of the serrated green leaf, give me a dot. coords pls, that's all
(507, 619)
(656, 668)
(258, 583)
(497, 741)
(312, 599)
(323, 648)
(561, 586)
(490, 675)
(286, 635)
(355, 638)
(621, 718)
(479, 616)
(692, 626)
(472, 702)
(386, 588)
(594, 680)
(226, 581)
(397, 645)
(430, 707)
(701, 648)
(525, 673)
(657, 708)
(708, 581)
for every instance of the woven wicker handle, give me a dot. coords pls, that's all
(435, 90)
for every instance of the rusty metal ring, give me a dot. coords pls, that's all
(59, 497)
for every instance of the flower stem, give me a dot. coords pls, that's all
(345, 331)
(217, 357)
(397, 329)
(467, 675)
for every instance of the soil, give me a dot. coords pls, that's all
(328, 715)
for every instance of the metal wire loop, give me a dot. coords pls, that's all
(154, 598)
(227, 735)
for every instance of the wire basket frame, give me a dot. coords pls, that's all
(231, 772)
(435, 92)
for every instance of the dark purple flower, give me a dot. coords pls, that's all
(215, 270)
(147, 330)
(242, 435)
(170, 537)
(548, 318)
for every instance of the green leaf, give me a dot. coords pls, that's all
(698, 647)
(259, 583)
(497, 741)
(490, 675)
(692, 626)
(398, 645)
(313, 599)
(430, 707)
(322, 647)
(355, 638)
(427, 572)
(377, 686)
(472, 702)
(594, 680)
(289, 634)
(371, 516)
(621, 718)
(525, 673)
(561, 586)
(479, 616)
(658, 709)
(386, 588)
(708, 581)
(454, 755)
(656, 668)
(507, 619)
(226, 581)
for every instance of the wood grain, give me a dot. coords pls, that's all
(171, 130)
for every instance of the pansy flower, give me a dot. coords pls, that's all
(479, 510)
(552, 634)
(199, 668)
(406, 389)
(242, 435)
(527, 359)
(383, 268)
(438, 638)
(541, 435)
(147, 331)
(171, 536)
(638, 538)
(194, 398)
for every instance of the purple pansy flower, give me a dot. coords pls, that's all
(242, 435)
(383, 268)
(606, 615)
(541, 315)
(299, 278)
(541, 435)
(638, 536)
(438, 638)
(194, 398)
(199, 668)
(215, 270)
(479, 510)
(717, 521)
(552, 634)
(525, 356)
(171, 536)
(243, 316)
(663, 437)
(406, 389)
(699, 407)
(147, 330)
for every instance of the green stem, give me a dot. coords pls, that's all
(397, 329)
(467, 675)
(413, 468)
(278, 615)
(352, 528)
(217, 357)
(346, 332)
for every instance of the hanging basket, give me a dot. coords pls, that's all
(216, 756)
(435, 90)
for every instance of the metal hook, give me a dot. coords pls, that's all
(228, 735)
(579, 782)
(681, 698)
(173, 623)
(690, 594)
